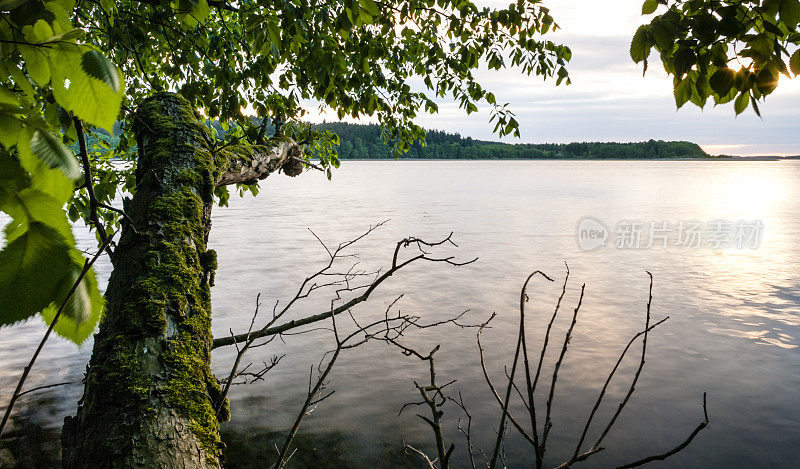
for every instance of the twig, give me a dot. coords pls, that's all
(308, 286)
(663, 456)
(40, 388)
(520, 341)
(494, 390)
(239, 354)
(622, 404)
(88, 182)
(551, 396)
(468, 432)
(599, 400)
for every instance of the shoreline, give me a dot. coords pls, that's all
(722, 158)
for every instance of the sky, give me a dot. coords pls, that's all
(609, 100)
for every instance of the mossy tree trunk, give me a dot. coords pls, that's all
(150, 396)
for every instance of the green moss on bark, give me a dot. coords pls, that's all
(151, 362)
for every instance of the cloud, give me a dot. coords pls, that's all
(609, 99)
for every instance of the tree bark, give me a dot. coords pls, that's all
(150, 396)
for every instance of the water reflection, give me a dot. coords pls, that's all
(734, 325)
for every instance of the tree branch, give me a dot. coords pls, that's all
(270, 330)
(88, 182)
(663, 456)
(251, 163)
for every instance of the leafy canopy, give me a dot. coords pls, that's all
(728, 50)
(66, 63)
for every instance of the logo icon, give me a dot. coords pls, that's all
(592, 234)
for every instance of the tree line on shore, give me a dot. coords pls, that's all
(364, 141)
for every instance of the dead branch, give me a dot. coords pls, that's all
(309, 284)
(467, 432)
(599, 400)
(497, 397)
(520, 343)
(430, 393)
(527, 395)
(663, 456)
(433, 394)
(547, 422)
(386, 329)
(596, 445)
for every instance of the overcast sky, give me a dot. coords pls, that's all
(609, 100)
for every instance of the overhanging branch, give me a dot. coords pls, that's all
(251, 163)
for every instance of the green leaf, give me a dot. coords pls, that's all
(10, 130)
(54, 153)
(96, 65)
(682, 61)
(84, 308)
(32, 268)
(88, 97)
(8, 98)
(640, 45)
(22, 82)
(30, 205)
(201, 10)
(767, 80)
(794, 62)
(12, 178)
(722, 81)
(649, 6)
(36, 63)
(754, 103)
(741, 102)
(790, 13)
(663, 34)
(44, 178)
(683, 92)
(370, 7)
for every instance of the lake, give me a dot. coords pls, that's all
(732, 294)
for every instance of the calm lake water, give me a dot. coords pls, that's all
(733, 332)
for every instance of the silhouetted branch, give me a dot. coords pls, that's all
(663, 456)
(520, 345)
(596, 445)
(387, 329)
(527, 394)
(253, 375)
(603, 392)
(468, 431)
(547, 422)
(309, 284)
(497, 397)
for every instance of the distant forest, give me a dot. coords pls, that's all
(359, 141)
(363, 141)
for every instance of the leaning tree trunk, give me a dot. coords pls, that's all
(150, 399)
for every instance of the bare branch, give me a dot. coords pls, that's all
(621, 406)
(680, 447)
(308, 286)
(494, 390)
(520, 343)
(547, 422)
(599, 400)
